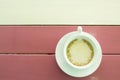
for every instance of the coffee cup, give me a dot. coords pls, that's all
(81, 50)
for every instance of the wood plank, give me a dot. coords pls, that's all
(43, 39)
(60, 12)
(43, 67)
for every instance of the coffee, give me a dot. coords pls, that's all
(79, 52)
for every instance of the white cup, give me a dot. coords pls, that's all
(92, 41)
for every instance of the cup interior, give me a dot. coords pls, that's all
(89, 39)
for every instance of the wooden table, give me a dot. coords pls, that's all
(27, 52)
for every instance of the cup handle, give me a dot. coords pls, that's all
(79, 29)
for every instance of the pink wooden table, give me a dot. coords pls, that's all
(27, 52)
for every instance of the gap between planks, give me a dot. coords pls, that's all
(49, 54)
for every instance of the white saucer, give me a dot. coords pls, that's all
(64, 65)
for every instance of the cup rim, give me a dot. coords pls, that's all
(87, 37)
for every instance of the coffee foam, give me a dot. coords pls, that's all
(80, 52)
